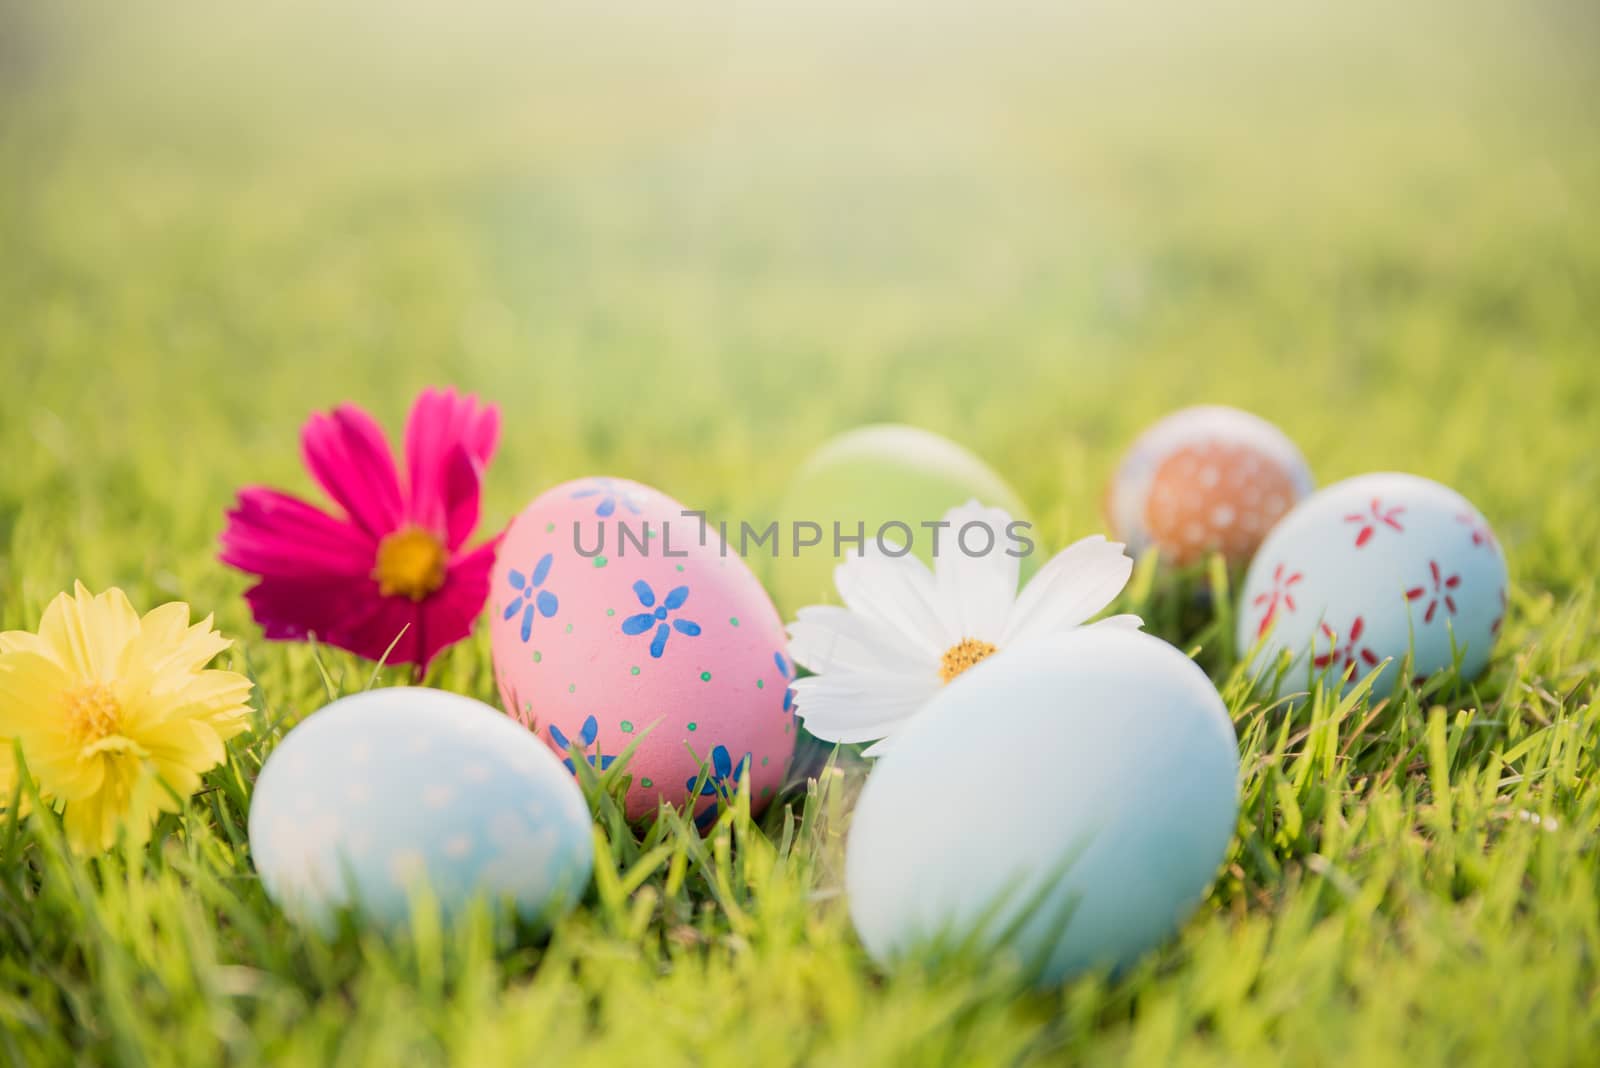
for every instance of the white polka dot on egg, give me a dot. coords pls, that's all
(1205, 479)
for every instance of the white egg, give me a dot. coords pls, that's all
(1072, 799)
(382, 793)
(1369, 569)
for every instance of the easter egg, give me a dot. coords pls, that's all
(1067, 801)
(381, 794)
(1202, 480)
(869, 477)
(1370, 568)
(619, 619)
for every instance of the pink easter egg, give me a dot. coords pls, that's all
(618, 619)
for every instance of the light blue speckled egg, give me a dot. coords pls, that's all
(1069, 801)
(383, 792)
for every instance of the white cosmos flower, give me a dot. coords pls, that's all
(904, 631)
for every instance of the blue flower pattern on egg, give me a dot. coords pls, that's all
(610, 495)
(586, 736)
(656, 616)
(530, 598)
(788, 691)
(722, 782)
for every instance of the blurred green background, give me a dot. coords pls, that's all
(687, 243)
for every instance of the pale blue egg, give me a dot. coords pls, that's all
(381, 793)
(1070, 800)
(1368, 570)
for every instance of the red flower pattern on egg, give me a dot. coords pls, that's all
(1374, 519)
(1476, 528)
(1281, 595)
(1441, 590)
(1351, 654)
(1433, 584)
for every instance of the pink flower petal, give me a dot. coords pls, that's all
(389, 619)
(448, 616)
(316, 568)
(449, 441)
(483, 432)
(482, 556)
(348, 455)
(272, 533)
(463, 478)
(486, 437)
(347, 613)
(295, 607)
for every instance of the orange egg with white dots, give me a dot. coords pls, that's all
(1205, 480)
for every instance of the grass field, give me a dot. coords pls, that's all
(688, 247)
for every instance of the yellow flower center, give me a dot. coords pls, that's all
(93, 713)
(410, 564)
(963, 655)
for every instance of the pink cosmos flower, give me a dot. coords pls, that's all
(394, 564)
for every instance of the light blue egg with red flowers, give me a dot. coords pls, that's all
(1368, 572)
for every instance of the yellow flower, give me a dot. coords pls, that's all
(117, 716)
(8, 775)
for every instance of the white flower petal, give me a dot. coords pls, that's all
(827, 638)
(897, 592)
(1126, 621)
(879, 747)
(976, 592)
(1078, 582)
(860, 706)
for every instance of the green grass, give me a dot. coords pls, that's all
(686, 249)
